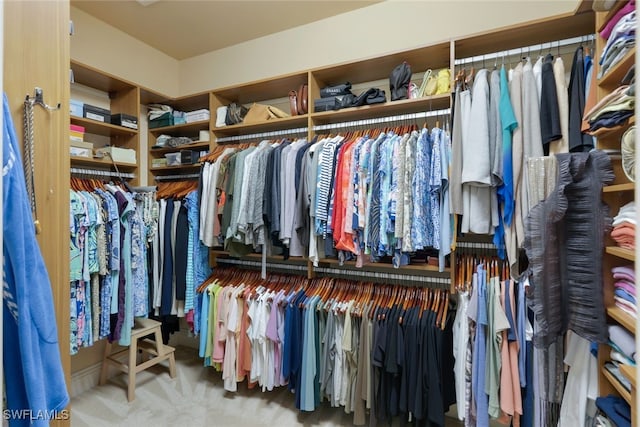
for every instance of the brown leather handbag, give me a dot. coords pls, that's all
(299, 100)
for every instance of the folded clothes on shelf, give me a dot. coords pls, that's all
(616, 409)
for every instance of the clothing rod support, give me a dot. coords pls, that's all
(97, 172)
(271, 134)
(518, 51)
(373, 121)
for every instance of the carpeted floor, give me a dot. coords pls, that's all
(196, 398)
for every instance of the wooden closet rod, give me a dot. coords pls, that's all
(375, 121)
(272, 134)
(519, 50)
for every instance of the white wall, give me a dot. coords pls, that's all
(108, 49)
(375, 30)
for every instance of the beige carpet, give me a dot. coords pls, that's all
(195, 398)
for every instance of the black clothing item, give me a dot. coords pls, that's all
(448, 362)
(578, 141)
(549, 110)
(181, 252)
(150, 260)
(435, 403)
(299, 158)
(167, 263)
(378, 356)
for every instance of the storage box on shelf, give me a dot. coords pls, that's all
(124, 102)
(616, 195)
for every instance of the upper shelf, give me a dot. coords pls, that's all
(519, 35)
(97, 79)
(101, 128)
(390, 108)
(183, 128)
(267, 126)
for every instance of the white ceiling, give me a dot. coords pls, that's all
(186, 28)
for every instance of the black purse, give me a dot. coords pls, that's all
(329, 91)
(235, 114)
(399, 81)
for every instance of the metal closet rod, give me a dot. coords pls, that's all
(475, 245)
(97, 172)
(374, 121)
(271, 134)
(520, 50)
(387, 276)
(172, 177)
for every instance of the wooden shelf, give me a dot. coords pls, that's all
(97, 79)
(100, 128)
(621, 252)
(626, 395)
(193, 146)
(627, 186)
(175, 168)
(623, 318)
(630, 373)
(391, 108)
(611, 80)
(94, 162)
(182, 128)
(270, 125)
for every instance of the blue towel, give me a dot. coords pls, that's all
(32, 368)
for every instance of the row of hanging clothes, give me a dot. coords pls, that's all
(365, 195)
(502, 118)
(382, 350)
(109, 229)
(534, 184)
(492, 336)
(178, 261)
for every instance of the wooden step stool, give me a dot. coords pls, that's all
(155, 350)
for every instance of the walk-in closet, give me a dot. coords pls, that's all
(319, 213)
